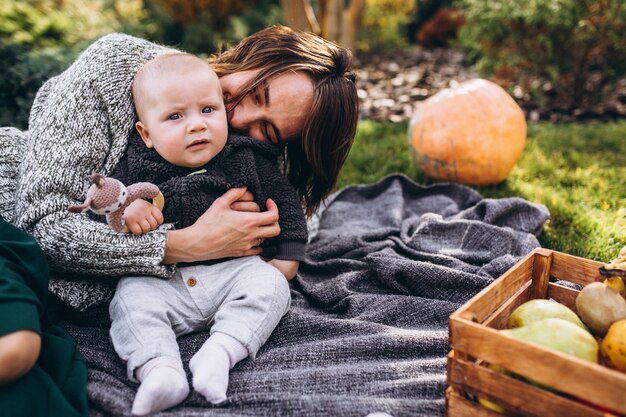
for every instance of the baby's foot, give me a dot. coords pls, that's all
(211, 365)
(163, 385)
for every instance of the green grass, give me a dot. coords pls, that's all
(578, 171)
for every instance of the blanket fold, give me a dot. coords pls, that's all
(367, 330)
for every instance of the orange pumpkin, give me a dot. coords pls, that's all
(472, 133)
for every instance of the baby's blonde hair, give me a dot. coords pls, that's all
(167, 64)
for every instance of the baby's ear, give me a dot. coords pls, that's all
(144, 133)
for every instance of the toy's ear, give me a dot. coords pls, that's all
(144, 133)
(97, 179)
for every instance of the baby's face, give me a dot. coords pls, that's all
(185, 118)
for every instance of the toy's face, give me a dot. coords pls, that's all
(109, 198)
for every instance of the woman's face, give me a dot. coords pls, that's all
(276, 111)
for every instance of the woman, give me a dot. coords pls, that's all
(281, 85)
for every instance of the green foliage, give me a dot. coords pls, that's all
(384, 25)
(25, 71)
(577, 171)
(40, 38)
(36, 25)
(201, 33)
(577, 45)
(48, 23)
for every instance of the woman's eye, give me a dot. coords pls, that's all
(256, 97)
(174, 116)
(207, 109)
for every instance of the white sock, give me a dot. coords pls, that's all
(163, 385)
(210, 366)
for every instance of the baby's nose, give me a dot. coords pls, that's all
(196, 123)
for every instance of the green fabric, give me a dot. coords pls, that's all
(57, 384)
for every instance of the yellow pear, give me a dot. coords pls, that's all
(489, 404)
(613, 347)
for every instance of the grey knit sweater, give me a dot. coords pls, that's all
(80, 123)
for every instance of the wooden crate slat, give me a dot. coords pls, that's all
(459, 406)
(540, 274)
(575, 269)
(483, 304)
(518, 396)
(565, 373)
(499, 319)
(563, 295)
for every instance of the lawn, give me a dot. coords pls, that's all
(577, 170)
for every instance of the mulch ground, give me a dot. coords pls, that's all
(391, 85)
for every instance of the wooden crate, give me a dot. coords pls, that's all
(476, 341)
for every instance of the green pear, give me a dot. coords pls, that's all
(539, 309)
(561, 335)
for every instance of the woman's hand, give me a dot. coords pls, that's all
(246, 203)
(142, 217)
(222, 232)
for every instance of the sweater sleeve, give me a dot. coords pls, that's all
(291, 242)
(80, 124)
(23, 281)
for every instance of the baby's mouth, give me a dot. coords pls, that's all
(198, 142)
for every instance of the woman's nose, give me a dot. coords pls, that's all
(239, 119)
(246, 123)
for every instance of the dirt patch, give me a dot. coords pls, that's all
(391, 86)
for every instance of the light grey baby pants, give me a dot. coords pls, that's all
(244, 298)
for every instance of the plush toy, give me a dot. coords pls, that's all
(109, 197)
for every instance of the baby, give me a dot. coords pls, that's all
(184, 148)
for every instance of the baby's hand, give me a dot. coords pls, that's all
(288, 268)
(142, 217)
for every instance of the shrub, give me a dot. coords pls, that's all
(24, 72)
(424, 11)
(576, 45)
(384, 24)
(202, 27)
(441, 28)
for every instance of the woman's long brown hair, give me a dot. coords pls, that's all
(311, 164)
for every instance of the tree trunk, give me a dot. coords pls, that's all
(300, 15)
(331, 24)
(351, 23)
(336, 23)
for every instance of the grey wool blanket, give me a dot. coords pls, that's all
(367, 330)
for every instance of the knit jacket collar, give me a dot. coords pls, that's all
(141, 163)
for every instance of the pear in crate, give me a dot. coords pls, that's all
(559, 334)
(599, 306)
(489, 404)
(613, 347)
(539, 309)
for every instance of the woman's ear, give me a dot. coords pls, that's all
(143, 132)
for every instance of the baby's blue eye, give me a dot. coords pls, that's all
(207, 110)
(174, 116)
